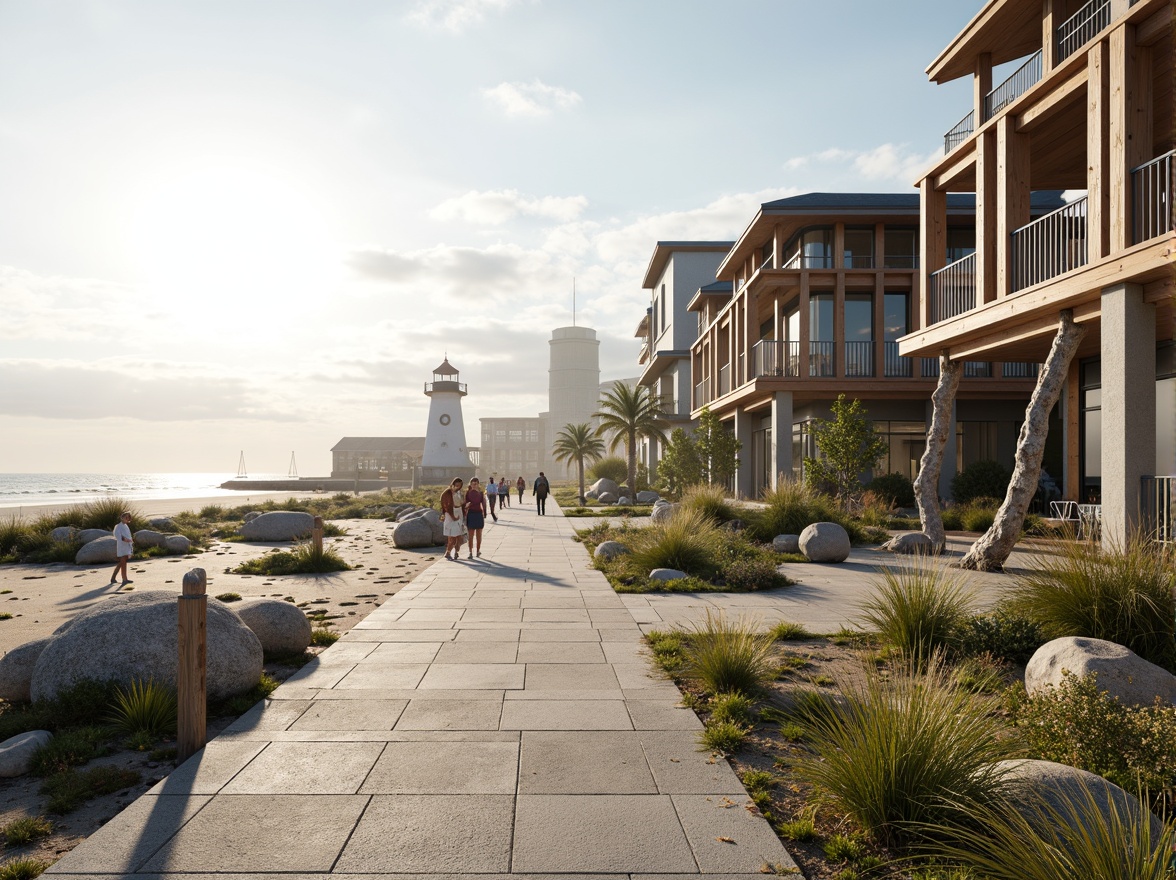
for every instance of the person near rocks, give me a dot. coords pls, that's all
(124, 547)
(503, 493)
(521, 485)
(452, 520)
(492, 497)
(475, 515)
(540, 491)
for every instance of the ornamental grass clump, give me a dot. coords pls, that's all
(905, 755)
(729, 656)
(1125, 594)
(791, 506)
(918, 607)
(689, 542)
(711, 501)
(146, 707)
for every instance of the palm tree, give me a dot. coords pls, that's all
(627, 413)
(576, 443)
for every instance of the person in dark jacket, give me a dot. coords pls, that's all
(540, 490)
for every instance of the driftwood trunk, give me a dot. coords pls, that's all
(931, 464)
(992, 549)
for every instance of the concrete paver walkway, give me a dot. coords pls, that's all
(495, 717)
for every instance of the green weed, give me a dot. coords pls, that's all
(734, 707)
(787, 631)
(70, 789)
(26, 829)
(723, 736)
(22, 869)
(323, 638)
(69, 748)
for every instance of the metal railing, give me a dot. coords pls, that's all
(821, 359)
(445, 385)
(1151, 184)
(895, 365)
(953, 289)
(1013, 370)
(900, 261)
(1079, 28)
(1024, 78)
(702, 394)
(977, 370)
(859, 358)
(959, 132)
(1050, 246)
(930, 368)
(1157, 502)
(859, 261)
(773, 357)
(801, 260)
(724, 379)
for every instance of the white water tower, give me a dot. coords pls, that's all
(445, 455)
(573, 380)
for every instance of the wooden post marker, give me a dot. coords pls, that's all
(318, 536)
(192, 686)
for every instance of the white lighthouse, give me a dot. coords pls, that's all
(445, 455)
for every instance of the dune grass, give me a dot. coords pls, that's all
(728, 656)
(303, 558)
(918, 607)
(146, 707)
(689, 541)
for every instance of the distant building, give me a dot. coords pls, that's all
(514, 446)
(366, 457)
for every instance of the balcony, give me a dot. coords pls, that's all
(801, 260)
(702, 394)
(1151, 184)
(1019, 370)
(1050, 246)
(1157, 503)
(1077, 30)
(895, 366)
(977, 370)
(960, 132)
(771, 357)
(821, 360)
(724, 379)
(953, 289)
(1024, 78)
(859, 359)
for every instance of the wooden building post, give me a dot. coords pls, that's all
(932, 246)
(1052, 14)
(1098, 166)
(192, 685)
(981, 86)
(1012, 194)
(987, 208)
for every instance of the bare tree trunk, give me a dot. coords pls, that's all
(632, 467)
(993, 547)
(580, 463)
(931, 464)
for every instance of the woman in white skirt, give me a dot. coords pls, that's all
(452, 523)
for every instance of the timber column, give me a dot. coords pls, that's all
(781, 452)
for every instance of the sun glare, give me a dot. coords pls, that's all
(234, 239)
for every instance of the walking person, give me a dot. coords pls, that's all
(492, 497)
(475, 515)
(503, 492)
(452, 521)
(521, 485)
(540, 490)
(124, 547)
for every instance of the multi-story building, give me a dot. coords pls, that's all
(1088, 108)
(513, 447)
(676, 271)
(810, 303)
(369, 458)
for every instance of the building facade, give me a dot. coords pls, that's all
(371, 458)
(1088, 108)
(514, 447)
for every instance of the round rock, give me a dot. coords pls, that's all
(662, 513)
(102, 550)
(162, 523)
(1121, 672)
(177, 544)
(610, 550)
(786, 543)
(667, 574)
(824, 542)
(413, 513)
(134, 637)
(412, 533)
(16, 670)
(607, 498)
(913, 543)
(88, 535)
(281, 627)
(150, 538)
(17, 753)
(604, 484)
(63, 533)
(280, 525)
(647, 497)
(252, 515)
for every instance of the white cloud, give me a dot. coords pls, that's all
(498, 206)
(890, 163)
(455, 15)
(531, 99)
(54, 307)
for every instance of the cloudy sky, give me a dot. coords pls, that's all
(259, 224)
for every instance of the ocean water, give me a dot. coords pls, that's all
(17, 490)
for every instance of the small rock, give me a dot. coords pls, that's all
(610, 550)
(64, 533)
(252, 515)
(915, 543)
(824, 542)
(150, 538)
(667, 574)
(647, 497)
(88, 535)
(279, 626)
(162, 523)
(603, 485)
(662, 513)
(624, 501)
(786, 543)
(17, 753)
(607, 498)
(411, 533)
(280, 525)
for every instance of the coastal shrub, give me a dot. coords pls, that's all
(787, 631)
(323, 638)
(723, 736)
(688, 541)
(1002, 633)
(22, 869)
(918, 607)
(303, 558)
(1124, 594)
(977, 519)
(612, 467)
(746, 575)
(69, 748)
(75, 706)
(980, 479)
(897, 489)
(904, 754)
(145, 707)
(242, 703)
(70, 789)
(728, 656)
(734, 707)
(789, 507)
(709, 500)
(26, 829)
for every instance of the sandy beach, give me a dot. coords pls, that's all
(156, 506)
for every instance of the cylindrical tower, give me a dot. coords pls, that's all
(573, 379)
(445, 455)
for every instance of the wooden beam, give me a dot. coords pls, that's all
(981, 86)
(1062, 91)
(987, 209)
(1012, 193)
(1041, 328)
(1155, 26)
(1098, 206)
(963, 167)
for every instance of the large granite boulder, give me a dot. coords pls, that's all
(280, 626)
(1121, 672)
(913, 543)
(609, 550)
(1039, 789)
(604, 484)
(16, 754)
(64, 533)
(102, 550)
(786, 543)
(162, 523)
(662, 513)
(413, 533)
(824, 542)
(88, 535)
(667, 574)
(647, 497)
(624, 501)
(177, 544)
(413, 513)
(134, 636)
(150, 538)
(16, 670)
(607, 497)
(252, 515)
(279, 525)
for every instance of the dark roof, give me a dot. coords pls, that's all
(446, 369)
(380, 444)
(696, 245)
(717, 287)
(868, 202)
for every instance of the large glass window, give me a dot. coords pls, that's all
(766, 256)
(895, 316)
(961, 241)
(859, 335)
(821, 341)
(859, 248)
(817, 247)
(1090, 449)
(792, 325)
(902, 248)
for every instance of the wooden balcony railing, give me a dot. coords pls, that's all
(859, 359)
(775, 357)
(1077, 30)
(1152, 186)
(959, 132)
(896, 366)
(1050, 246)
(953, 289)
(821, 359)
(1025, 77)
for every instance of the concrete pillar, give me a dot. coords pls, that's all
(781, 451)
(744, 480)
(947, 470)
(1128, 406)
